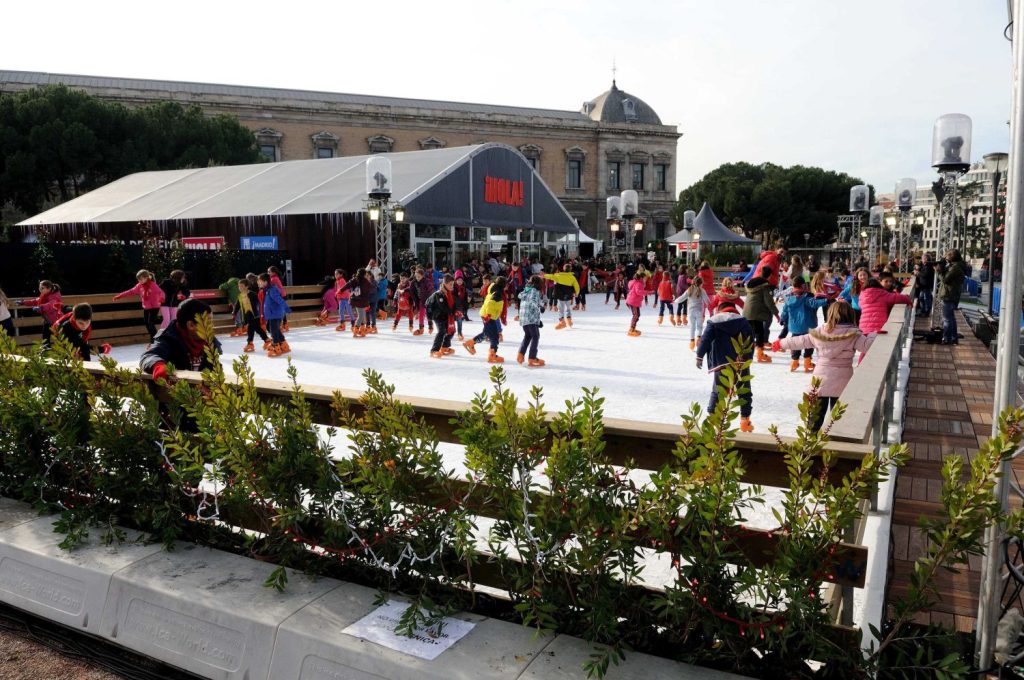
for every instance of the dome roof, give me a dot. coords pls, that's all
(616, 106)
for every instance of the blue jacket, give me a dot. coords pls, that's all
(847, 294)
(716, 340)
(799, 312)
(382, 289)
(529, 306)
(274, 306)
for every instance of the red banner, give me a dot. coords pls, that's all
(202, 242)
(503, 191)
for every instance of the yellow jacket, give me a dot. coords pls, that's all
(565, 279)
(491, 308)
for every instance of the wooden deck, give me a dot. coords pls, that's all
(948, 412)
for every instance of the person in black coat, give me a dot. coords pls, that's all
(441, 307)
(179, 344)
(76, 328)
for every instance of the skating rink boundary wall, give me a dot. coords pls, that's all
(120, 323)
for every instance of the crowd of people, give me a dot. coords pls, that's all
(835, 311)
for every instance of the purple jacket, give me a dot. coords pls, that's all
(835, 351)
(424, 287)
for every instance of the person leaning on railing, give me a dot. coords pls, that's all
(180, 343)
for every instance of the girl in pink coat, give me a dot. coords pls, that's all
(152, 297)
(837, 342)
(875, 304)
(635, 300)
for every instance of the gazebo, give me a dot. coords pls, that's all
(707, 228)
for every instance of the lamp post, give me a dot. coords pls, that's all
(630, 203)
(951, 156)
(1005, 393)
(994, 162)
(688, 223)
(613, 215)
(906, 191)
(859, 198)
(381, 210)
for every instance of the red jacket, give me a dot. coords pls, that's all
(769, 258)
(49, 305)
(150, 293)
(665, 293)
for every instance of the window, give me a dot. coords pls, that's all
(659, 230)
(268, 140)
(614, 170)
(380, 144)
(431, 143)
(269, 151)
(574, 174)
(660, 177)
(325, 144)
(532, 153)
(638, 176)
(532, 162)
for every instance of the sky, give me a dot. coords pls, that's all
(848, 87)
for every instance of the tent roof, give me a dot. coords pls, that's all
(437, 186)
(711, 230)
(571, 238)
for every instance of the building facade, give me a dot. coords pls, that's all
(974, 210)
(615, 142)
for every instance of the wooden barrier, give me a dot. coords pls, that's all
(120, 323)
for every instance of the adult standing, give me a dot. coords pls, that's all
(925, 284)
(950, 286)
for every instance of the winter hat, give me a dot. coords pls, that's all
(727, 306)
(458, 273)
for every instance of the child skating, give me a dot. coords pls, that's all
(566, 288)
(666, 299)
(150, 295)
(490, 312)
(274, 311)
(249, 308)
(726, 331)
(799, 315)
(404, 295)
(696, 300)
(635, 300)
(344, 297)
(530, 307)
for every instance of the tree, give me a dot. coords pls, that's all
(770, 201)
(56, 143)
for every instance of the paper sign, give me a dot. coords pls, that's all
(379, 626)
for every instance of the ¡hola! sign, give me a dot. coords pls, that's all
(503, 191)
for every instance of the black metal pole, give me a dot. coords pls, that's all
(996, 176)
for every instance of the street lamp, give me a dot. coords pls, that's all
(994, 163)
(613, 215)
(951, 156)
(380, 209)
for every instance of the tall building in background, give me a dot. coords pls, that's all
(974, 205)
(615, 142)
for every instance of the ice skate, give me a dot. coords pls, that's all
(470, 346)
(267, 344)
(493, 358)
(633, 333)
(693, 343)
(746, 425)
(340, 327)
(536, 363)
(808, 365)
(561, 325)
(686, 319)
(249, 348)
(793, 365)
(274, 351)
(763, 358)
(283, 348)
(418, 331)
(661, 320)
(520, 358)
(447, 350)
(437, 355)
(568, 320)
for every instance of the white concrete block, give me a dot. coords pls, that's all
(563, 659)
(310, 646)
(69, 587)
(204, 610)
(13, 513)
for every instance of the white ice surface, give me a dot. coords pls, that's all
(649, 378)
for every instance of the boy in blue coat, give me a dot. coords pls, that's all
(716, 342)
(274, 311)
(800, 315)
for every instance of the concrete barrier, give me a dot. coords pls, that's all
(204, 610)
(68, 587)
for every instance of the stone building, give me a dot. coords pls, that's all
(615, 142)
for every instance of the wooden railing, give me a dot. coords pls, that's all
(649, 445)
(120, 323)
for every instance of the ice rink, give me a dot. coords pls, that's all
(650, 378)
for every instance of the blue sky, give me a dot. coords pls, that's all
(848, 87)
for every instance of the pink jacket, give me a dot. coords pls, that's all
(151, 294)
(875, 305)
(330, 300)
(50, 306)
(835, 351)
(275, 281)
(635, 296)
